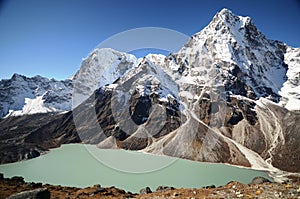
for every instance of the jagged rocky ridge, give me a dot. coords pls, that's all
(229, 95)
(22, 95)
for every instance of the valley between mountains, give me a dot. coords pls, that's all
(230, 95)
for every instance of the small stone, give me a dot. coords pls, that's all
(249, 196)
(99, 190)
(145, 190)
(288, 186)
(127, 197)
(97, 186)
(259, 180)
(258, 192)
(210, 187)
(164, 188)
(175, 194)
(35, 185)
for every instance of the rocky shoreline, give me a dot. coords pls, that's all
(17, 188)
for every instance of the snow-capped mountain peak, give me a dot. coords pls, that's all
(99, 68)
(230, 19)
(238, 50)
(230, 49)
(157, 59)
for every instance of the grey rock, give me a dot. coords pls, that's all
(41, 193)
(259, 180)
(145, 190)
(164, 188)
(99, 190)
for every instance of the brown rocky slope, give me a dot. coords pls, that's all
(259, 188)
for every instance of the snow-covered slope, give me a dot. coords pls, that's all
(291, 88)
(101, 67)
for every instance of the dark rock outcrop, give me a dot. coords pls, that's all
(26, 137)
(163, 188)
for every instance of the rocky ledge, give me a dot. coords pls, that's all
(17, 188)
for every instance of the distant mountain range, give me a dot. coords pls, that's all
(230, 95)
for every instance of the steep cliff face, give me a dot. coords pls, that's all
(229, 95)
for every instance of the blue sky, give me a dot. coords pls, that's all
(50, 38)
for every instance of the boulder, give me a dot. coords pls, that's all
(41, 193)
(17, 179)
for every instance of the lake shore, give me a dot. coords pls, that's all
(258, 189)
(85, 165)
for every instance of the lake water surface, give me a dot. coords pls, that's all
(73, 165)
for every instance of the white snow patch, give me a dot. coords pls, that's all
(291, 88)
(32, 106)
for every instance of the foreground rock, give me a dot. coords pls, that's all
(12, 187)
(16, 188)
(42, 193)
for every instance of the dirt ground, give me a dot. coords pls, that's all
(290, 189)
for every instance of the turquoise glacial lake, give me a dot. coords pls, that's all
(85, 165)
